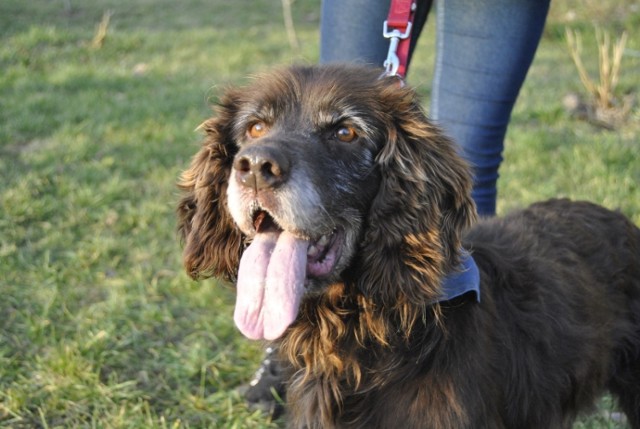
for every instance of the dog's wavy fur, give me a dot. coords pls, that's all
(559, 317)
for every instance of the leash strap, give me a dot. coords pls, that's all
(397, 28)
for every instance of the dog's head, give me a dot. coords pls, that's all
(332, 174)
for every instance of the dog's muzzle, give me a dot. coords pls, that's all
(261, 167)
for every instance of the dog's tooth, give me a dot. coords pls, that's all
(324, 240)
(312, 251)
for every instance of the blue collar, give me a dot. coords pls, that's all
(463, 280)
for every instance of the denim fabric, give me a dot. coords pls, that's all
(351, 31)
(484, 50)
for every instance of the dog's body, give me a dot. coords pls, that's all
(356, 209)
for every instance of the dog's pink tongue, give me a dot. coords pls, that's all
(270, 284)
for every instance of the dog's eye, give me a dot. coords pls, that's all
(346, 134)
(257, 130)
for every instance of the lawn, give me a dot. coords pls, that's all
(99, 326)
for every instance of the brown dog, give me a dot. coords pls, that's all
(342, 213)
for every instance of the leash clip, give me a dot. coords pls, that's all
(392, 63)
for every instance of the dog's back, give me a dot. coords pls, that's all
(563, 279)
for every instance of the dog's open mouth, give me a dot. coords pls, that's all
(322, 253)
(263, 222)
(273, 273)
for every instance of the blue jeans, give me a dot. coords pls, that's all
(484, 50)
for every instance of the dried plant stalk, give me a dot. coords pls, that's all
(609, 60)
(101, 30)
(289, 26)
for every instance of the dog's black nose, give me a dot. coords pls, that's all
(261, 167)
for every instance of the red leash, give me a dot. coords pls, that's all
(397, 28)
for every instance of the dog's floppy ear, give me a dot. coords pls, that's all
(422, 207)
(212, 243)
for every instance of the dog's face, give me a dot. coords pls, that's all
(318, 169)
(306, 165)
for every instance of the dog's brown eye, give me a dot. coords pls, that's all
(346, 134)
(257, 130)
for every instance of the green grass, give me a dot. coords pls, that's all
(99, 326)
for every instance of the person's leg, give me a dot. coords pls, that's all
(484, 50)
(351, 31)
